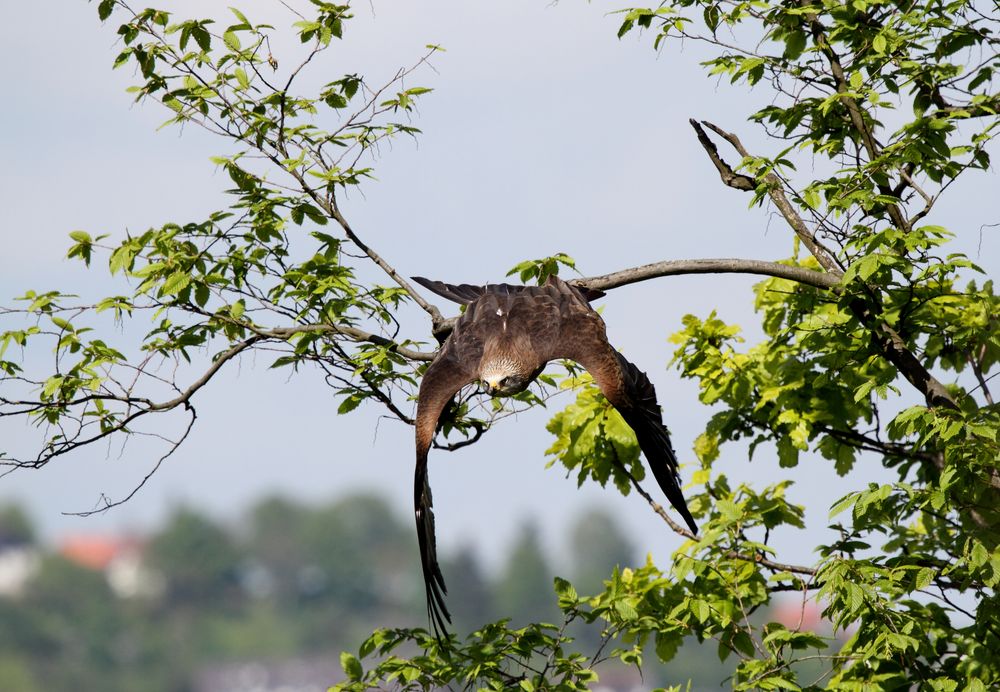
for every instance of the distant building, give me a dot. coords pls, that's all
(119, 558)
(18, 564)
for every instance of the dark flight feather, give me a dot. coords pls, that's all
(529, 326)
(646, 421)
(462, 293)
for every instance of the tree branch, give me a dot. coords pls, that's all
(885, 339)
(856, 115)
(606, 282)
(825, 258)
(217, 364)
(757, 558)
(431, 310)
(709, 266)
(352, 332)
(988, 108)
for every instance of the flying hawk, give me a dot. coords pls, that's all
(504, 340)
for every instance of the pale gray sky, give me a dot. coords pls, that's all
(543, 127)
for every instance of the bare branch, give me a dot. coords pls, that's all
(825, 258)
(757, 558)
(431, 310)
(174, 446)
(709, 266)
(729, 177)
(352, 332)
(978, 371)
(217, 364)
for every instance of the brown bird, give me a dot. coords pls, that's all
(504, 340)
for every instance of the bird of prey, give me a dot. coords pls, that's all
(503, 340)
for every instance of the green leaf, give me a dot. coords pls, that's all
(351, 665)
(335, 100)
(795, 43)
(202, 37)
(61, 323)
(175, 283)
(242, 78)
(104, 9)
(240, 16)
(744, 644)
(51, 385)
(201, 294)
(349, 404)
(565, 591)
(924, 578)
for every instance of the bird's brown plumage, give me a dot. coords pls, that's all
(519, 329)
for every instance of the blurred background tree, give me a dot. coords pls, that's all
(268, 590)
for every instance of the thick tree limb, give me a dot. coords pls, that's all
(655, 270)
(709, 266)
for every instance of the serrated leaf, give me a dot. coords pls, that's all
(175, 283)
(348, 404)
(351, 665)
(565, 590)
(626, 611)
(201, 294)
(335, 100)
(700, 609)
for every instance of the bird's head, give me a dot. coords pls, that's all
(503, 378)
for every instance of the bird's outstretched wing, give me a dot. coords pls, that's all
(465, 294)
(453, 368)
(461, 293)
(582, 337)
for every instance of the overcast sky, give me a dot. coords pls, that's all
(544, 130)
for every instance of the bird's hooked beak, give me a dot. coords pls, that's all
(492, 386)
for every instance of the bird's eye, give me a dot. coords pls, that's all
(505, 382)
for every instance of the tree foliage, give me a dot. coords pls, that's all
(880, 339)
